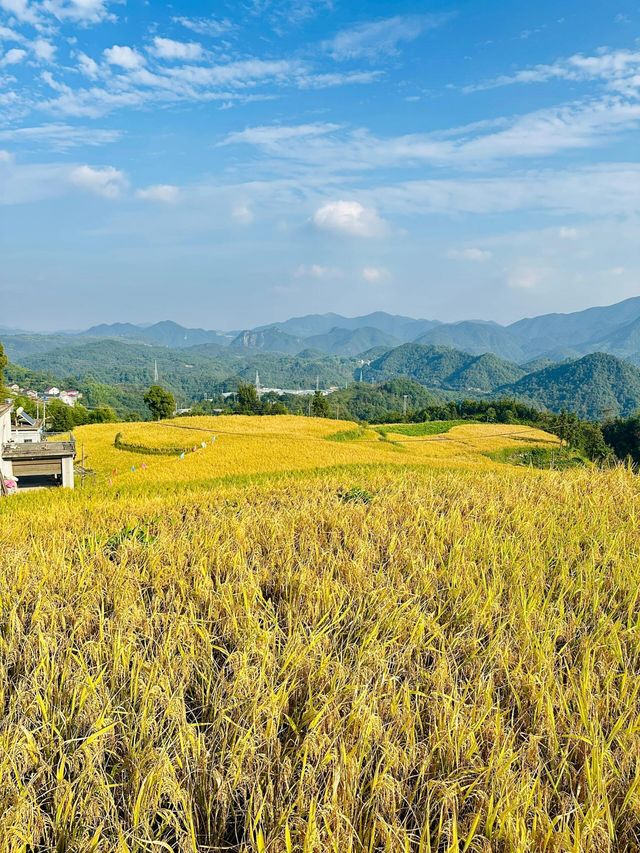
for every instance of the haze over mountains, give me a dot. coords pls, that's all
(583, 361)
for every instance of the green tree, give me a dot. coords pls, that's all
(60, 417)
(161, 403)
(320, 406)
(248, 400)
(4, 361)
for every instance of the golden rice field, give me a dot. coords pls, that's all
(247, 445)
(355, 646)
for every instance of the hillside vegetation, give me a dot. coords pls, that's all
(415, 649)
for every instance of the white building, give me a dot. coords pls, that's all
(5, 436)
(40, 464)
(69, 398)
(26, 430)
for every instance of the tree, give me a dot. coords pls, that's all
(4, 361)
(248, 400)
(320, 406)
(161, 403)
(60, 417)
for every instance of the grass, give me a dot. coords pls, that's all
(556, 458)
(335, 648)
(420, 429)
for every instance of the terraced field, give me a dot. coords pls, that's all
(290, 643)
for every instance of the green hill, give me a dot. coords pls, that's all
(444, 368)
(596, 386)
(484, 374)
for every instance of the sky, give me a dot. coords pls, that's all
(229, 164)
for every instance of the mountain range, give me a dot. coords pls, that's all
(585, 361)
(614, 329)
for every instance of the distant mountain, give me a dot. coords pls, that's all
(581, 330)
(476, 338)
(19, 347)
(164, 334)
(337, 341)
(624, 341)
(404, 329)
(351, 341)
(445, 368)
(596, 386)
(270, 339)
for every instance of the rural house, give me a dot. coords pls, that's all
(34, 464)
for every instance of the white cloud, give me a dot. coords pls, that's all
(613, 67)
(543, 133)
(124, 57)
(204, 26)
(169, 49)
(7, 34)
(315, 271)
(12, 57)
(617, 271)
(566, 233)
(470, 254)
(21, 9)
(272, 136)
(82, 12)
(164, 193)
(106, 182)
(527, 277)
(373, 38)
(242, 213)
(374, 275)
(330, 81)
(349, 218)
(88, 66)
(5, 156)
(43, 49)
(61, 137)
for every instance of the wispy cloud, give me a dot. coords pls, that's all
(292, 12)
(619, 69)
(471, 253)
(374, 38)
(211, 27)
(543, 133)
(60, 137)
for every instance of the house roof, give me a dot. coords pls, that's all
(39, 450)
(5, 407)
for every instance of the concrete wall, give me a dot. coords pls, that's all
(67, 473)
(22, 436)
(5, 435)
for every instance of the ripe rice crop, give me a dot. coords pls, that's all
(397, 654)
(249, 445)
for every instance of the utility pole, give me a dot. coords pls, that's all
(156, 376)
(309, 406)
(404, 407)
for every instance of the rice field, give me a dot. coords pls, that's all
(234, 446)
(289, 644)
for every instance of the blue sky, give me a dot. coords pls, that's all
(229, 164)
